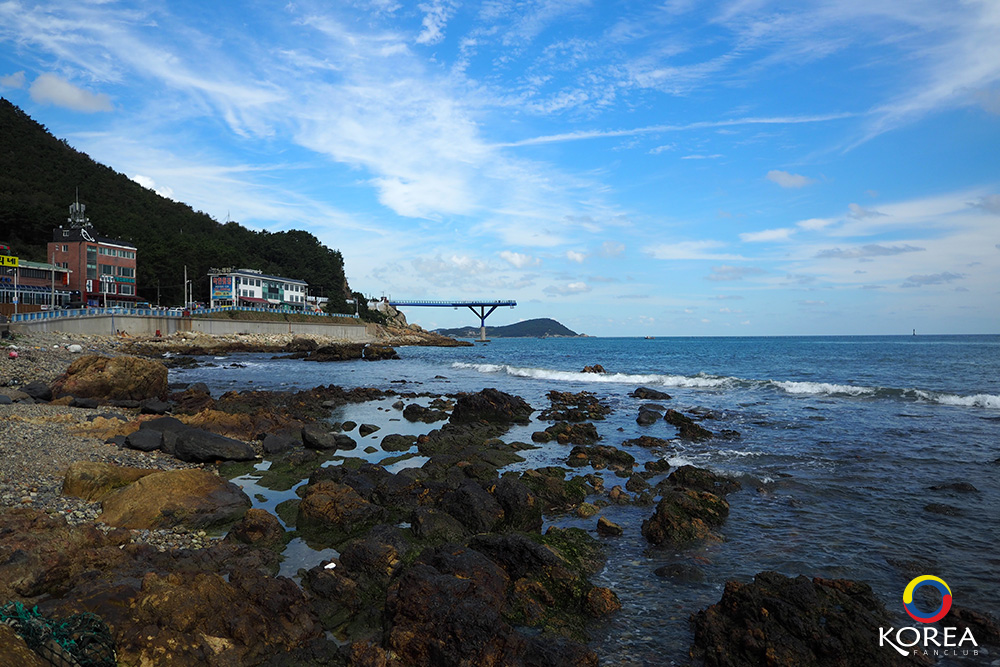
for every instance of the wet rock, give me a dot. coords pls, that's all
(130, 378)
(566, 433)
(418, 413)
(316, 436)
(657, 466)
(960, 487)
(397, 443)
(985, 628)
(608, 528)
(690, 477)
(338, 352)
(144, 440)
(436, 526)
(473, 506)
(683, 572)
(618, 496)
(566, 406)
(777, 620)
(647, 394)
(16, 652)
(491, 406)
(373, 352)
(259, 528)
(636, 484)
(347, 426)
(301, 344)
(601, 602)
(648, 442)
(93, 481)
(398, 405)
(367, 429)
(687, 429)
(596, 368)
(552, 490)
(943, 509)
(276, 443)
(192, 498)
(683, 515)
(197, 446)
(516, 553)
(600, 457)
(521, 509)
(335, 511)
(648, 416)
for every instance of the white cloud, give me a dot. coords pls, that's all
(519, 260)
(988, 203)
(568, 289)
(787, 180)
(661, 149)
(814, 224)
(726, 272)
(50, 89)
(859, 212)
(765, 235)
(690, 250)
(574, 256)
(865, 251)
(612, 249)
(436, 15)
(701, 157)
(15, 80)
(932, 279)
(150, 184)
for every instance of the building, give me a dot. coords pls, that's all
(32, 285)
(255, 289)
(101, 269)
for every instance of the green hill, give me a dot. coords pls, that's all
(39, 178)
(537, 328)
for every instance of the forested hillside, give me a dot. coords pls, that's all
(538, 328)
(39, 178)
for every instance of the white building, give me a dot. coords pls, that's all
(252, 288)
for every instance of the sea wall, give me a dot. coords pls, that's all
(148, 325)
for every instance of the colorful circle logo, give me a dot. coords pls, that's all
(911, 608)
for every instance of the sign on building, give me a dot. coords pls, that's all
(222, 287)
(7, 260)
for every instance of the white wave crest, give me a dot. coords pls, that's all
(991, 401)
(698, 381)
(824, 388)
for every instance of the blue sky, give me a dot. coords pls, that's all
(628, 168)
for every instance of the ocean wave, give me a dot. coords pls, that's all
(697, 381)
(975, 401)
(824, 388)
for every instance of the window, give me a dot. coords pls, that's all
(91, 262)
(127, 289)
(127, 271)
(65, 248)
(106, 269)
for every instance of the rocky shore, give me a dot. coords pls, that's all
(114, 501)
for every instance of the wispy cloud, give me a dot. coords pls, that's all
(567, 289)
(519, 260)
(932, 279)
(16, 80)
(787, 180)
(690, 250)
(869, 250)
(859, 212)
(727, 273)
(50, 89)
(988, 203)
(781, 234)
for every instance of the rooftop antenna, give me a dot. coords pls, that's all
(77, 214)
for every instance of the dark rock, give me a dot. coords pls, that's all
(197, 446)
(941, 508)
(154, 406)
(647, 394)
(418, 413)
(275, 443)
(683, 515)
(960, 487)
(566, 433)
(680, 572)
(648, 442)
(316, 436)
(600, 457)
(165, 424)
(777, 620)
(300, 344)
(569, 407)
(596, 368)
(398, 405)
(985, 628)
(38, 390)
(336, 510)
(347, 426)
(5, 400)
(608, 528)
(491, 406)
(259, 528)
(145, 440)
(636, 484)
(473, 506)
(88, 403)
(700, 479)
(344, 442)
(373, 352)
(397, 443)
(435, 526)
(339, 352)
(367, 429)
(552, 490)
(686, 428)
(657, 466)
(517, 554)
(647, 417)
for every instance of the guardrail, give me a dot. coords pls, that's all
(153, 312)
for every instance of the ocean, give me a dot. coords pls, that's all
(842, 440)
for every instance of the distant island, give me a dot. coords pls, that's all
(539, 328)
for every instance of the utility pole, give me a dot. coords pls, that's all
(52, 303)
(185, 286)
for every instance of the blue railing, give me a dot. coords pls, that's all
(456, 304)
(152, 312)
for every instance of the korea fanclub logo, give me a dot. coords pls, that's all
(926, 639)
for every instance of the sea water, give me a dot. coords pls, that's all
(841, 440)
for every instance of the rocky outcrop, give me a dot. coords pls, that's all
(683, 515)
(565, 433)
(197, 446)
(647, 394)
(94, 481)
(777, 620)
(686, 427)
(191, 498)
(120, 378)
(418, 413)
(569, 407)
(600, 457)
(259, 528)
(491, 406)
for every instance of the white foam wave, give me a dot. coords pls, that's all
(824, 388)
(975, 401)
(697, 381)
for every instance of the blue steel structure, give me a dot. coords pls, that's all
(471, 305)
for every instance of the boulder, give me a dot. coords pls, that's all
(778, 620)
(319, 437)
(686, 428)
(473, 506)
(366, 430)
(398, 443)
(373, 352)
(690, 477)
(647, 417)
(145, 440)
(647, 394)
(491, 406)
(608, 528)
(418, 413)
(88, 403)
(602, 456)
(93, 481)
(197, 446)
(38, 390)
(683, 515)
(275, 443)
(331, 507)
(124, 378)
(154, 406)
(596, 368)
(521, 509)
(259, 528)
(566, 433)
(192, 498)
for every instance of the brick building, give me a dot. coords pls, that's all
(32, 284)
(101, 269)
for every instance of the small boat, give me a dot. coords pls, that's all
(650, 337)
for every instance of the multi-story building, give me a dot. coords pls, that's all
(249, 287)
(101, 269)
(30, 283)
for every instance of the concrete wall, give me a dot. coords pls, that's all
(142, 325)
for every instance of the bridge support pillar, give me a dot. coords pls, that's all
(483, 314)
